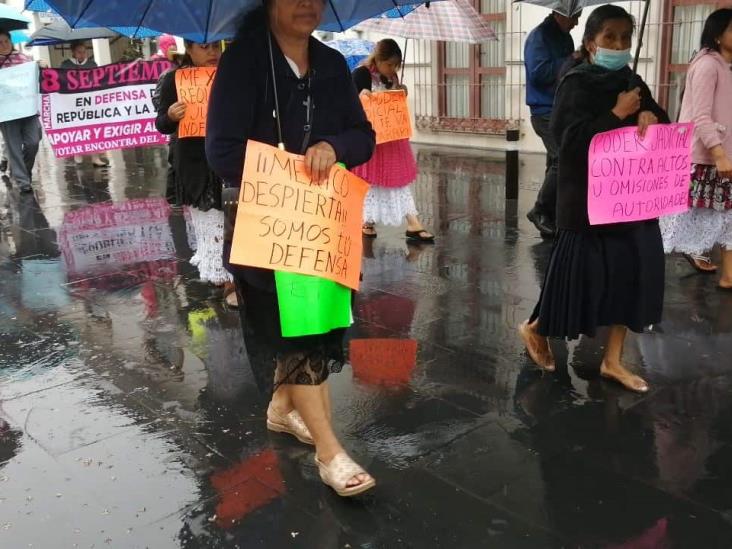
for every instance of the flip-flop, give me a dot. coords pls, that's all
(419, 235)
(372, 232)
(694, 261)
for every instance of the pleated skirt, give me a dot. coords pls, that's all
(602, 278)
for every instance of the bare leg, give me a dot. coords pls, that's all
(308, 401)
(537, 345)
(725, 281)
(612, 366)
(325, 395)
(281, 400)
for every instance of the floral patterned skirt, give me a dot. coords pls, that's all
(709, 189)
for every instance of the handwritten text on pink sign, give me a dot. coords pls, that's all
(632, 179)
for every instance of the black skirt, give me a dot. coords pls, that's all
(602, 278)
(276, 360)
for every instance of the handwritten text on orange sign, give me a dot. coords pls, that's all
(287, 222)
(389, 115)
(194, 86)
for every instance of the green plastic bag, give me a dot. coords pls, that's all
(310, 305)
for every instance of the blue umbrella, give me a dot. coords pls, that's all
(132, 32)
(203, 20)
(353, 50)
(11, 19)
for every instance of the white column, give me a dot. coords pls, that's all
(40, 53)
(147, 48)
(102, 51)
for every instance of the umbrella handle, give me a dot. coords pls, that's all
(640, 36)
(280, 141)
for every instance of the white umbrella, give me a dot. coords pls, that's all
(449, 21)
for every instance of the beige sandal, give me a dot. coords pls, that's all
(339, 471)
(291, 424)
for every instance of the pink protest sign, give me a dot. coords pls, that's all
(632, 179)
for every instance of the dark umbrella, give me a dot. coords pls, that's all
(11, 19)
(569, 8)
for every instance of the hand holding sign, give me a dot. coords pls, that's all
(632, 178)
(389, 115)
(194, 86)
(288, 221)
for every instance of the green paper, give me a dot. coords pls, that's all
(310, 305)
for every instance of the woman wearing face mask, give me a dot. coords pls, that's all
(199, 186)
(320, 117)
(392, 168)
(80, 59)
(707, 100)
(602, 275)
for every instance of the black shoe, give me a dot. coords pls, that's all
(26, 189)
(543, 224)
(3, 165)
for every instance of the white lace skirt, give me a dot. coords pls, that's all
(209, 230)
(696, 231)
(388, 206)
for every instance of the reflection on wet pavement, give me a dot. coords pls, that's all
(130, 417)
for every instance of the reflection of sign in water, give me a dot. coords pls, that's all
(92, 110)
(106, 237)
(632, 179)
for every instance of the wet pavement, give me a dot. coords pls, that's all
(133, 418)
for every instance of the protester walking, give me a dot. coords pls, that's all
(548, 49)
(22, 135)
(80, 59)
(601, 275)
(706, 102)
(319, 115)
(393, 168)
(199, 186)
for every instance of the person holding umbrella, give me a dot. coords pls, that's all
(598, 275)
(548, 48)
(274, 66)
(80, 59)
(22, 135)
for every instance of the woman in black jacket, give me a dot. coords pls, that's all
(322, 118)
(198, 185)
(602, 275)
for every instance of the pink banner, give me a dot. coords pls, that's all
(86, 111)
(633, 179)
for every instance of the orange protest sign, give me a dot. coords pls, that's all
(194, 86)
(287, 222)
(388, 113)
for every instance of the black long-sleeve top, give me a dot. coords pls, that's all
(583, 108)
(241, 105)
(197, 183)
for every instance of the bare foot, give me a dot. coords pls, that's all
(621, 374)
(538, 347)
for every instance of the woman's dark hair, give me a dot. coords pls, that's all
(597, 20)
(383, 51)
(714, 27)
(76, 43)
(5, 32)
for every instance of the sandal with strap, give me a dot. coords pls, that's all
(420, 236)
(701, 263)
(291, 424)
(368, 231)
(339, 471)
